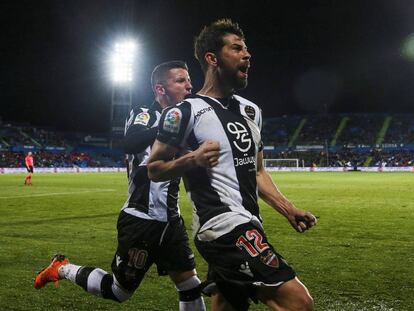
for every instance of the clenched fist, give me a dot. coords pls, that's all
(207, 154)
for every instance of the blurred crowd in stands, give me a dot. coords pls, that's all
(54, 149)
(339, 130)
(47, 159)
(345, 140)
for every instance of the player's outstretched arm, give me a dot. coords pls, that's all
(269, 192)
(163, 166)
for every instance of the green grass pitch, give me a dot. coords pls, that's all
(360, 256)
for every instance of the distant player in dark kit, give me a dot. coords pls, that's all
(214, 141)
(28, 160)
(150, 227)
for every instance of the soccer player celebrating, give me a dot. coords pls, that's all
(150, 228)
(223, 173)
(28, 160)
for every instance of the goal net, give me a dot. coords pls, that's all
(268, 163)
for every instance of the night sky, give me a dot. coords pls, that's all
(307, 56)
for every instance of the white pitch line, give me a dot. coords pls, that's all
(56, 193)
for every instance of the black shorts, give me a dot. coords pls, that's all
(242, 260)
(142, 242)
(29, 169)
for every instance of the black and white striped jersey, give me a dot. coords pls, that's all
(147, 199)
(224, 196)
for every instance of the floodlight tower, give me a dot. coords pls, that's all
(122, 62)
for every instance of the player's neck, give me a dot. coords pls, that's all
(215, 87)
(163, 102)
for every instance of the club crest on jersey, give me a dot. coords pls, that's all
(270, 259)
(243, 142)
(142, 118)
(172, 121)
(250, 112)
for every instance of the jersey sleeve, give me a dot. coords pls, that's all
(175, 125)
(141, 119)
(140, 130)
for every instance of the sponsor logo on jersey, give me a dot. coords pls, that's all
(118, 260)
(244, 161)
(243, 142)
(142, 118)
(202, 111)
(270, 259)
(172, 121)
(250, 112)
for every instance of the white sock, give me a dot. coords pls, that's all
(69, 272)
(190, 283)
(193, 305)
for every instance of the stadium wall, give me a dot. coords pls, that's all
(21, 170)
(341, 169)
(8, 170)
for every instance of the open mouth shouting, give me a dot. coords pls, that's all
(243, 70)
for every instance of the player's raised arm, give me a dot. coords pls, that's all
(270, 193)
(163, 165)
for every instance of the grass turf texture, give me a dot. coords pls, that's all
(358, 257)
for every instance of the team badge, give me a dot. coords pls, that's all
(270, 259)
(242, 141)
(142, 118)
(172, 121)
(251, 113)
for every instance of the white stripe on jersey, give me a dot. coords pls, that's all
(136, 213)
(157, 200)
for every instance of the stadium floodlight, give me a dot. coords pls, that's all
(123, 61)
(407, 50)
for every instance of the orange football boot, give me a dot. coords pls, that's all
(51, 272)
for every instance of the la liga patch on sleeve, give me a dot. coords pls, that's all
(142, 118)
(172, 121)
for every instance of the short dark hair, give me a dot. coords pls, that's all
(160, 71)
(210, 38)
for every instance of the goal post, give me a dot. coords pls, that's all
(268, 163)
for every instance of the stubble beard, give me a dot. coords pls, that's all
(233, 80)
